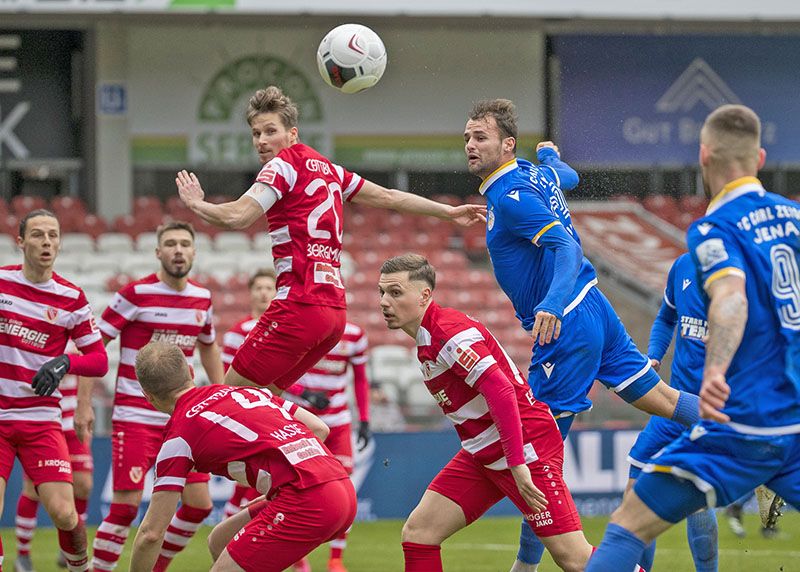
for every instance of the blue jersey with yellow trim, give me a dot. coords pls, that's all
(755, 234)
(524, 202)
(684, 307)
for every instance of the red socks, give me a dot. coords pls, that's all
(422, 557)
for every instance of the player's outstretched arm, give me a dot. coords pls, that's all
(233, 215)
(547, 153)
(211, 358)
(150, 536)
(374, 195)
(727, 317)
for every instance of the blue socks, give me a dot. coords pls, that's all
(620, 551)
(701, 528)
(687, 410)
(531, 548)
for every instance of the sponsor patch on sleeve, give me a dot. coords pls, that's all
(467, 357)
(710, 253)
(267, 175)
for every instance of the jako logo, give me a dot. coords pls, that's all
(698, 83)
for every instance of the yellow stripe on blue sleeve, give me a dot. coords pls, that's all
(535, 239)
(722, 273)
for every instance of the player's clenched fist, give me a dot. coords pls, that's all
(713, 395)
(550, 144)
(533, 496)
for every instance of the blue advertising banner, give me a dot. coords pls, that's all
(630, 100)
(393, 472)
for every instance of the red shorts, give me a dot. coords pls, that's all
(475, 489)
(340, 443)
(134, 448)
(41, 448)
(80, 453)
(287, 341)
(293, 524)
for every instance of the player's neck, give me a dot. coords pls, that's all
(35, 274)
(719, 180)
(177, 284)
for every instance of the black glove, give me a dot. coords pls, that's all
(316, 399)
(364, 436)
(46, 380)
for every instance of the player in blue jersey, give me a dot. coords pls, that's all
(746, 252)
(539, 263)
(683, 306)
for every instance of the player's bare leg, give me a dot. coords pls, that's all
(434, 519)
(233, 377)
(222, 534)
(2, 496)
(195, 506)
(226, 564)
(59, 502)
(25, 524)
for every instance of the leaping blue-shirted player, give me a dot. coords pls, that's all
(683, 306)
(746, 252)
(539, 263)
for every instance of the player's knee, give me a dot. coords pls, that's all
(63, 514)
(415, 530)
(216, 543)
(569, 561)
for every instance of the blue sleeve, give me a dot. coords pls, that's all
(526, 214)
(662, 331)
(565, 176)
(715, 251)
(567, 266)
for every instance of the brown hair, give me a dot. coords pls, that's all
(23, 223)
(733, 134)
(161, 369)
(504, 112)
(272, 100)
(416, 265)
(174, 225)
(261, 273)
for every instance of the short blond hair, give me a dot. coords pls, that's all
(732, 134)
(161, 369)
(273, 100)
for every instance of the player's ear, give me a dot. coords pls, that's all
(704, 155)
(294, 134)
(509, 144)
(425, 296)
(762, 157)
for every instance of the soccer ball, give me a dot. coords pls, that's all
(351, 58)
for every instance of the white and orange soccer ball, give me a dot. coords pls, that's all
(351, 58)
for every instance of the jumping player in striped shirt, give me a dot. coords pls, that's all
(510, 443)
(39, 313)
(301, 193)
(249, 435)
(164, 306)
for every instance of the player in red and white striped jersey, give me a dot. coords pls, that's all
(302, 194)
(262, 291)
(248, 435)
(323, 391)
(39, 313)
(511, 446)
(80, 454)
(164, 306)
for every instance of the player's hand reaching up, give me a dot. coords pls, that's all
(714, 394)
(550, 144)
(533, 496)
(546, 328)
(467, 215)
(189, 188)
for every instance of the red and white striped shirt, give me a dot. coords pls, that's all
(36, 322)
(305, 224)
(245, 434)
(329, 375)
(234, 338)
(457, 353)
(145, 311)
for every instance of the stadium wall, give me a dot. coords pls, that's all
(395, 469)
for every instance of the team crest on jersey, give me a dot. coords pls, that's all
(467, 357)
(490, 219)
(136, 474)
(51, 314)
(711, 252)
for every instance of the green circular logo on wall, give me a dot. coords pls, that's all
(243, 77)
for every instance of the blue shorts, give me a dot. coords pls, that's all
(593, 345)
(713, 465)
(657, 434)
